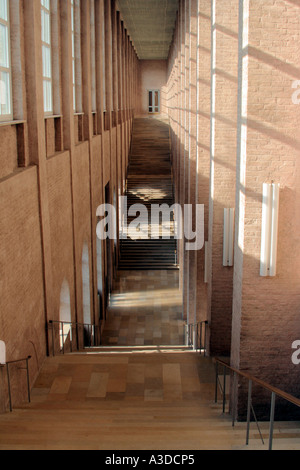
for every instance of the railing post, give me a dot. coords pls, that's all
(53, 347)
(272, 415)
(63, 338)
(217, 378)
(194, 338)
(200, 345)
(8, 386)
(205, 337)
(224, 389)
(28, 379)
(187, 335)
(233, 398)
(2, 394)
(249, 410)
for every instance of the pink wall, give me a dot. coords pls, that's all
(153, 75)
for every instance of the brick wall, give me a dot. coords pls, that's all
(53, 175)
(22, 298)
(266, 310)
(248, 134)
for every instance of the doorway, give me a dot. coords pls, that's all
(154, 101)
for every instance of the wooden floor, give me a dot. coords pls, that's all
(130, 402)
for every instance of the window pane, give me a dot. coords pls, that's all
(46, 4)
(5, 107)
(3, 10)
(46, 62)
(45, 27)
(4, 62)
(47, 96)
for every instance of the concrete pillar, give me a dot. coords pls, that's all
(36, 132)
(192, 154)
(203, 139)
(224, 89)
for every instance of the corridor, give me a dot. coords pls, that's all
(145, 306)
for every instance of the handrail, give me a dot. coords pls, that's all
(194, 336)
(275, 392)
(7, 364)
(267, 386)
(72, 325)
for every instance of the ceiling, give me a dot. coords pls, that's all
(150, 24)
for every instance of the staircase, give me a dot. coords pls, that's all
(149, 183)
(134, 401)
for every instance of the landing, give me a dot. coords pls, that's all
(145, 310)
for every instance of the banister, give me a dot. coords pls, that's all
(252, 379)
(72, 325)
(196, 335)
(17, 361)
(267, 386)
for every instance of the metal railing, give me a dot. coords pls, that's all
(196, 336)
(275, 392)
(7, 366)
(73, 335)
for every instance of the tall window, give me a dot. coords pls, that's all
(76, 55)
(5, 63)
(73, 53)
(93, 55)
(47, 56)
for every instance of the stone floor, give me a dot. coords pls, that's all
(145, 310)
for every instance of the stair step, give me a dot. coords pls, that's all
(149, 182)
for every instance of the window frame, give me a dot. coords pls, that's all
(76, 56)
(6, 23)
(73, 53)
(48, 46)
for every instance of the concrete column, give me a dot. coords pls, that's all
(182, 133)
(224, 88)
(203, 139)
(192, 154)
(87, 108)
(36, 131)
